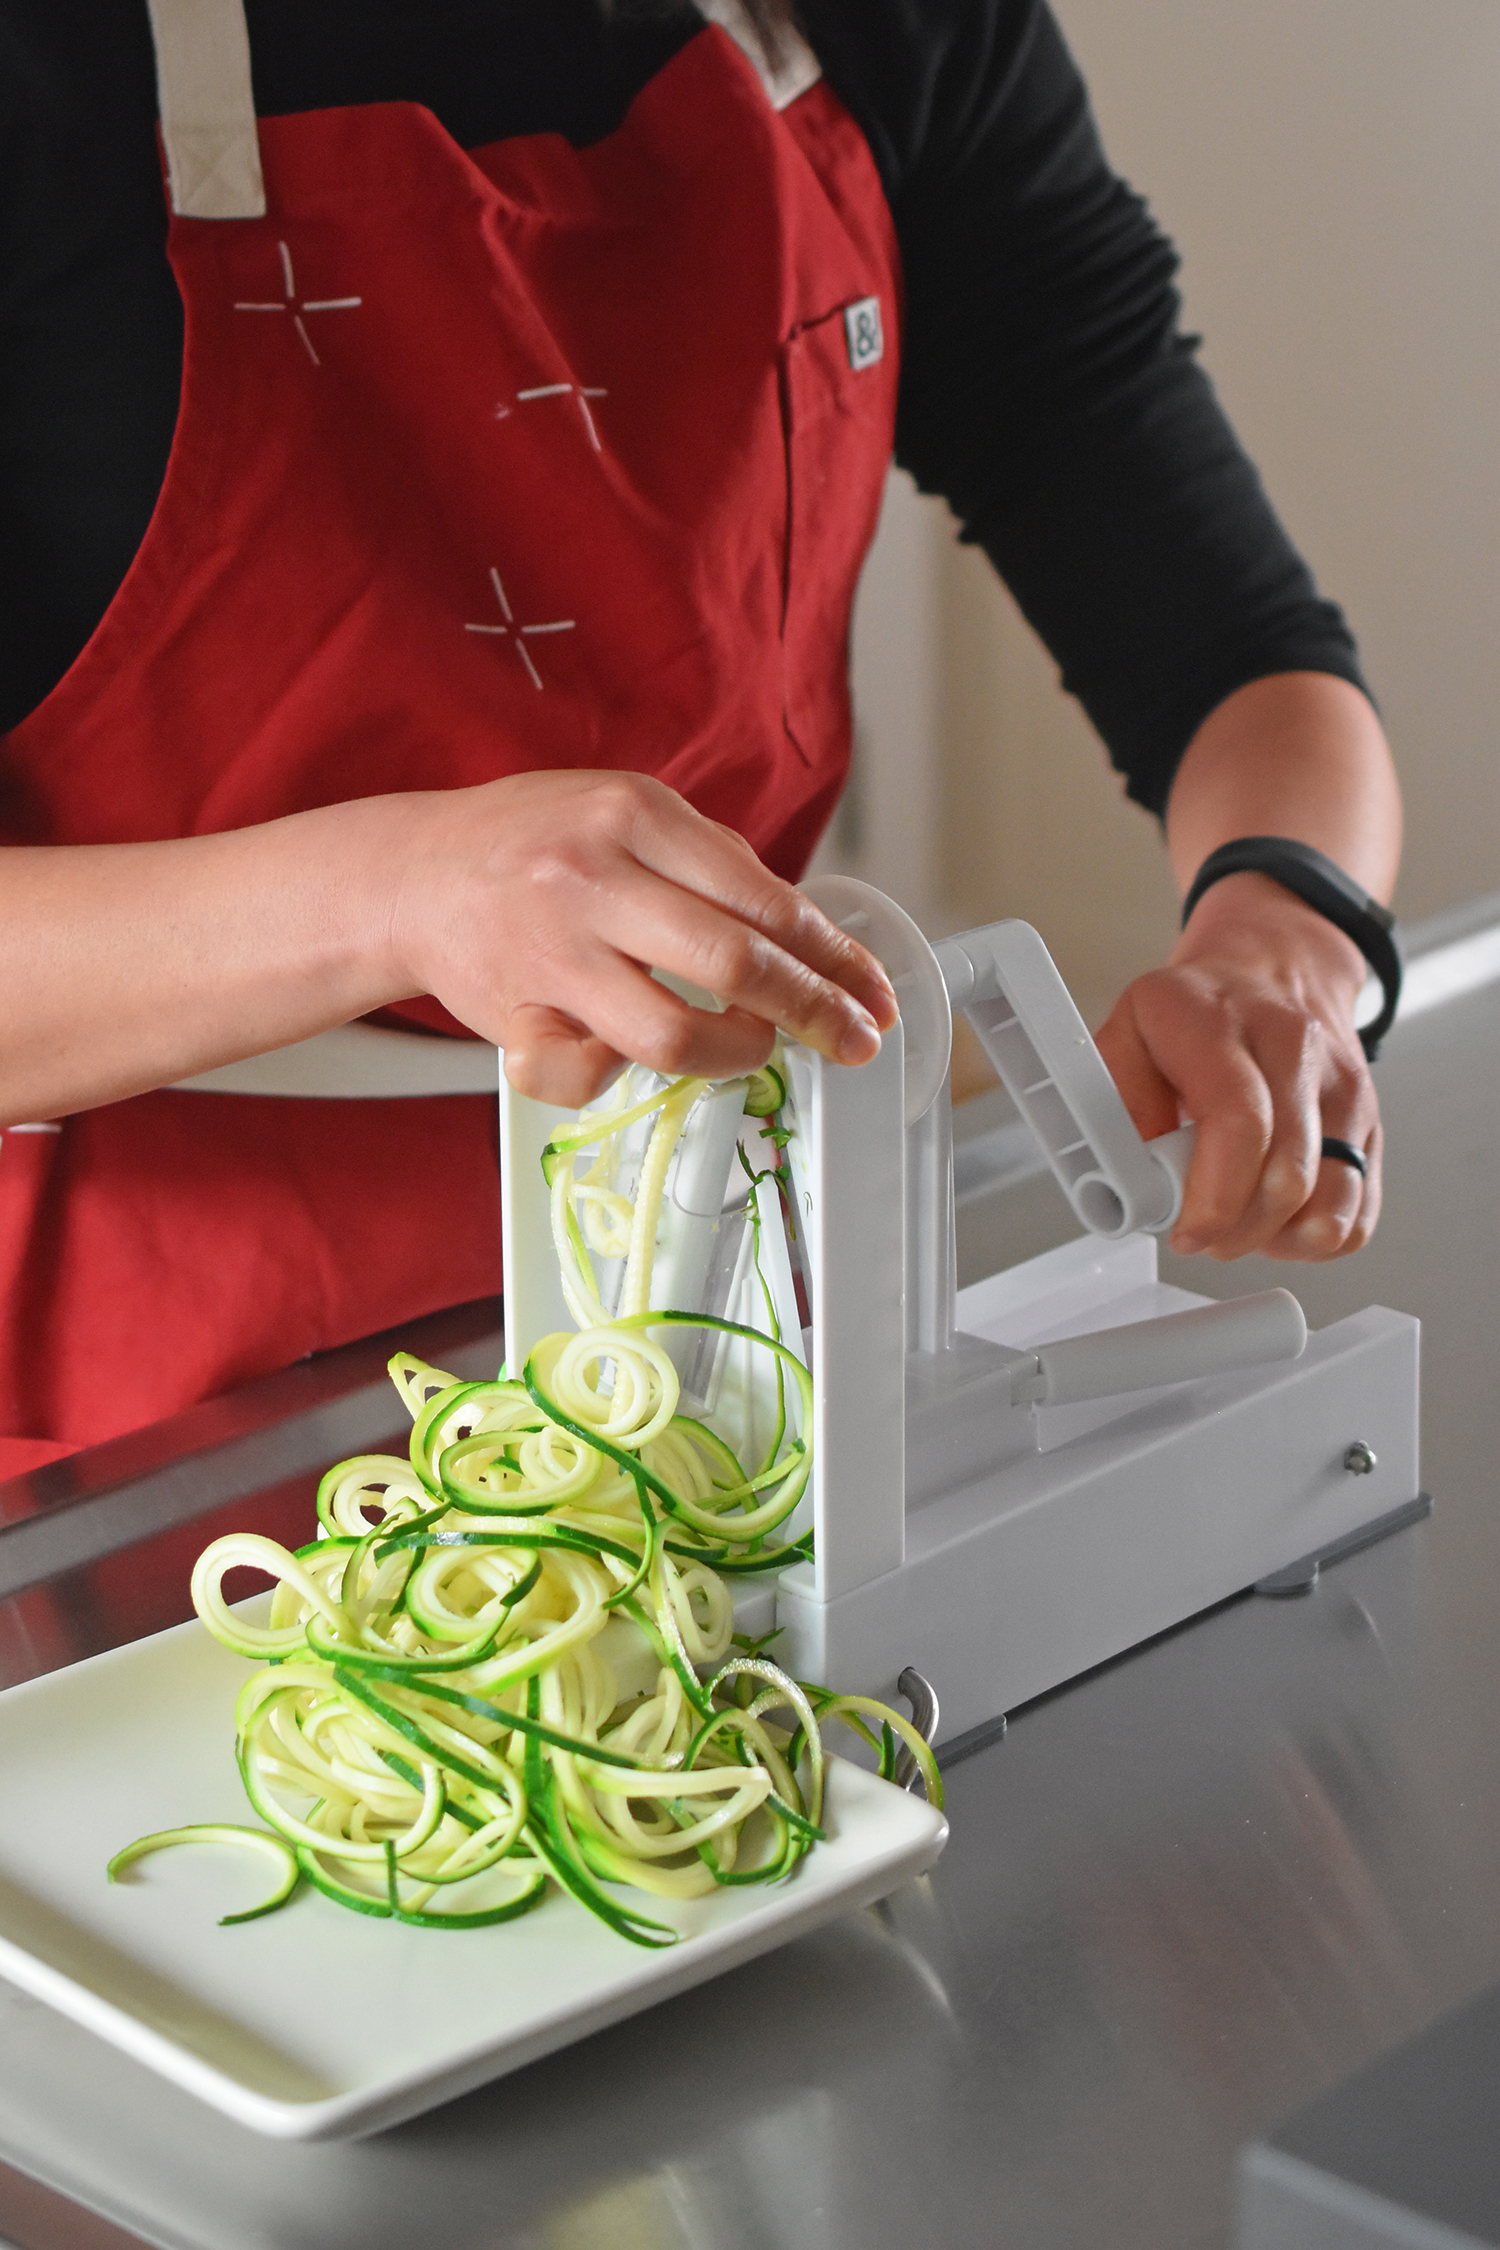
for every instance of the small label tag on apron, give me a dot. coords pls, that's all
(866, 336)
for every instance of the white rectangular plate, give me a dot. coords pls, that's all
(316, 2023)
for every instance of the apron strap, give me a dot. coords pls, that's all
(207, 108)
(795, 68)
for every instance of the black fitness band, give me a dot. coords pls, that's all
(1345, 1152)
(1321, 884)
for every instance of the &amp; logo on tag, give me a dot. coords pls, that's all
(864, 332)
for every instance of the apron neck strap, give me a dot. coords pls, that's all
(786, 74)
(207, 108)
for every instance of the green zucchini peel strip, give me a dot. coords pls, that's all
(219, 1832)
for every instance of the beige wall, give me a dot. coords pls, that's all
(1331, 171)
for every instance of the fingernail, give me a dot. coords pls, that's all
(860, 1043)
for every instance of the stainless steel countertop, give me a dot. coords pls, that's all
(1182, 1895)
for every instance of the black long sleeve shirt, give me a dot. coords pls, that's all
(1046, 388)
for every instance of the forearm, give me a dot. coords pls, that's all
(126, 966)
(1300, 754)
(527, 906)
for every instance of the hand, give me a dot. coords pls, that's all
(533, 907)
(1249, 1031)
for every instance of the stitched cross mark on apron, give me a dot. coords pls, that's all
(580, 391)
(517, 634)
(297, 306)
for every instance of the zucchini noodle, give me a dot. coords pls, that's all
(509, 1660)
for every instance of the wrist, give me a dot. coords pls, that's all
(1249, 919)
(361, 858)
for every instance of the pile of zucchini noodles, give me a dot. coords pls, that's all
(450, 1712)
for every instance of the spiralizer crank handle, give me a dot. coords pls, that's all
(1008, 986)
(1178, 1348)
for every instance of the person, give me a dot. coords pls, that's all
(431, 528)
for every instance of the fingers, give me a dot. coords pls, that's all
(1264, 1075)
(631, 1015)
(536, 907)
(1308, 1205)
(754, 974)
(555, 1059)
(718, 867)
(558, 891)
(685, 894)
(1177, 1051)
(1258, 1133)
(1148, 1093)
(1342, 1212)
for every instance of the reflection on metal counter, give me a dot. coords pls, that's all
(1403, 2156)
(692, 2152)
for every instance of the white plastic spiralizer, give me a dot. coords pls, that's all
(1017, 1481)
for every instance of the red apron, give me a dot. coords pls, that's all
(522, 458)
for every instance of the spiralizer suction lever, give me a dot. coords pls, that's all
(1177, 1348)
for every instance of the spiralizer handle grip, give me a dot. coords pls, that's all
(1174, 1153)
